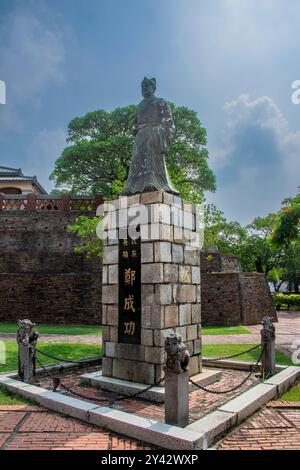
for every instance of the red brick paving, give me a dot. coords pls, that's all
(34, 428)
(201, 402)
(272, 428)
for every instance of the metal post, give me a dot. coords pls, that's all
(268, 346)
(176, 382)
(27, 337)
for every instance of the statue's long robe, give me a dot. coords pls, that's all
(154, 128)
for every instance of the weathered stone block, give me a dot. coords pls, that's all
(153, 316)
(181, 330)
(184, 293)
(147, 337)
(163, 294)
(171, 316)
(192, 332)
(147, 253)
(191, 256)
(104, 275)
(177, 253)
(154, 355)
(152, 273)
(197, 346)
(196, 313)
(185, 274)
(105, 333)
(111, 315)
(113, 273)
(113, 333)
(185, 314)
(107, 363)
(110, 254)
(194, 365)
(134, 352)
(151, 197)
(134, 371)
(162, 252)
(178, 234)
(110, 294)
(170, 273)
(196, 275)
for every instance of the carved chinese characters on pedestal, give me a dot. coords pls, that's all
(129, 328)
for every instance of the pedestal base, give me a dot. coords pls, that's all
(156, 394)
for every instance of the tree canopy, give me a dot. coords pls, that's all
(287, 227)
(98, 157)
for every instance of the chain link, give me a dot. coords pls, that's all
(222, 392)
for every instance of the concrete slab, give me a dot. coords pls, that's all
(284, 379)
(214, 425)
(156, 394)
(250, 401)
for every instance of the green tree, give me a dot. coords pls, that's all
(256, 252)
(98, 157)
(287, 227)
(85, 228)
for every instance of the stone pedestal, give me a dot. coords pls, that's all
(168, 280)
(177, 398)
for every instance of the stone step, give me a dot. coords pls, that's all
(156, 394)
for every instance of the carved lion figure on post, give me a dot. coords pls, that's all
(178, 357)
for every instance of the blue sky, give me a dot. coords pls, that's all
(233, 61)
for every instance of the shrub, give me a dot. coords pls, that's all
(286, 301)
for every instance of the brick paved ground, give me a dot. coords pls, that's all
(201, 402)
(275, 427)
(32, 427)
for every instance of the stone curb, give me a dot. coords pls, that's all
(150, 431)
(199, 435)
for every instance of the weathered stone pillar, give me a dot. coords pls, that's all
(268, 347)
(176, 382)
(27, 337)
(151, 285)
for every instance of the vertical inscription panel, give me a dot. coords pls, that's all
(129, 325)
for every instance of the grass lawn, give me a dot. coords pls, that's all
(222, 350)
(7, 398)
(61, 350)
(293, 394)
(56, 329)
(225, 330)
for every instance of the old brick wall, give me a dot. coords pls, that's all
(220, 299)
(216, 262)
(40, 275)
(230, 299)
(256, 298)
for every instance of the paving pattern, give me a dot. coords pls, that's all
(201, 402)
(25, 427)
(276, 427)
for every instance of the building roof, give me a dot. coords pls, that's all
(13, 175)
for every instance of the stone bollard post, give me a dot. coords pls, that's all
(176, 381)
(27, 337)
(268, 346)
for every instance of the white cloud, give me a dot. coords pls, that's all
(258, 158)
(46, 147)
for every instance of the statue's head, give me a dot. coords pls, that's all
(148, 87)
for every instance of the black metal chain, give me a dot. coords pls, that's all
(212, 359)
(222, 392)
(110, 399)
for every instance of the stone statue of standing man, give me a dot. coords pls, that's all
(154, 131)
